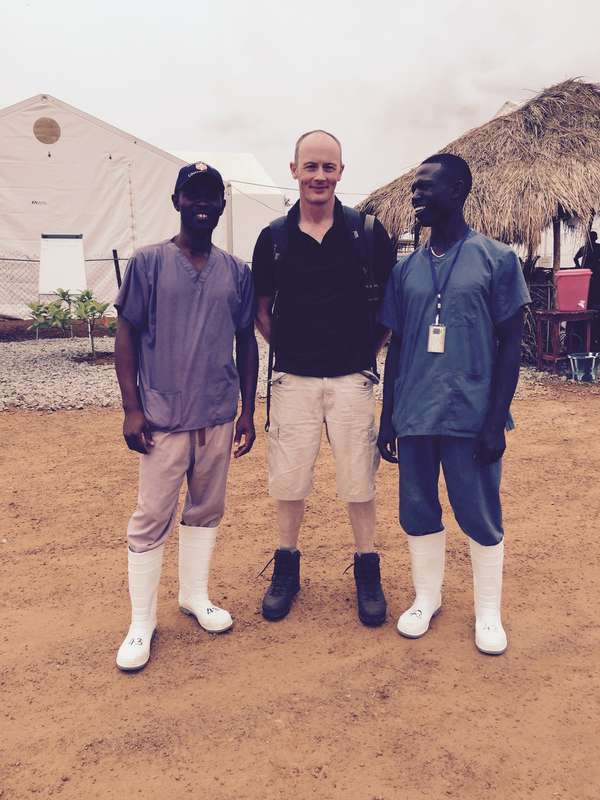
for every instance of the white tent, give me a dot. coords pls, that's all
(253, 200)
(63, 171)
(506, 108)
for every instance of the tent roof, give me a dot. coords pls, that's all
(529, 166)
(49, 100)
(506, 108)
(242, 168)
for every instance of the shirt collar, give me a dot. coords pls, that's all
(293, 215)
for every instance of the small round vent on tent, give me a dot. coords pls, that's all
(46, 130)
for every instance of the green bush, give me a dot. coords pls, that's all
(90, 311)
(39, 315)
(62, 312)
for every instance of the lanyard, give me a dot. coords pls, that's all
(434, 277)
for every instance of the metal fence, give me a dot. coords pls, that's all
(19, 281)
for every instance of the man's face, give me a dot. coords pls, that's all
(318, 169)
(434, 196)
(200, 203)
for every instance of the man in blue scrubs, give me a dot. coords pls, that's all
(455, 308)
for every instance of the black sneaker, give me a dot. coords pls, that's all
(372, 607)
(285, 583)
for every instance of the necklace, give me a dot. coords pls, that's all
(437, 255)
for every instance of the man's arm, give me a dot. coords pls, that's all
(263, 271)
(246, 358)
(263, 317)
(490, 444)
(578, 256)
(386, 440)
(136, 430)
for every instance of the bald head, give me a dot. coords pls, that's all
(317, 166)
(317, 137)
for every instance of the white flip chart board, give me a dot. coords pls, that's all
(61, 263)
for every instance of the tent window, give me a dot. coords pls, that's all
(46, 130)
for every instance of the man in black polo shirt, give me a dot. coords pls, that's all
(324, 347)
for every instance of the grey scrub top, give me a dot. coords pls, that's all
(186, 322)
(448, 394)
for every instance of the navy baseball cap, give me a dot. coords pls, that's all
(200, 168)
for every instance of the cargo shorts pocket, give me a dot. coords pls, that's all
(162, 409)
(362, 381)
(277, 378)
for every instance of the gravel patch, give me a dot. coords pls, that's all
(534, 384)
(44, 376)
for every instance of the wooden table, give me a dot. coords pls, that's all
(553, 320)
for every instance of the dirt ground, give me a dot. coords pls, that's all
(315, 705)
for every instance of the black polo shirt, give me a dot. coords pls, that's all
(321, 327)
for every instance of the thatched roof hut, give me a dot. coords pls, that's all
(532, 168)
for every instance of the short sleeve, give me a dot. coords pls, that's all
(247, 306)
(263, 266)
(509, 290)
(133, 297)
(390, 314)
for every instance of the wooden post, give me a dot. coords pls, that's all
(556, 236)
(117, 268)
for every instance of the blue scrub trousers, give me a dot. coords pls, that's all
(473, 490)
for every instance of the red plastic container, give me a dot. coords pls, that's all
(572, 289)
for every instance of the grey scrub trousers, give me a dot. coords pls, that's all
(473, 490)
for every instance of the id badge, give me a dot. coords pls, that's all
(437, 339)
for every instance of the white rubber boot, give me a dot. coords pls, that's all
(490, 636)
(195, 551)
(144, 577)
(427, 557)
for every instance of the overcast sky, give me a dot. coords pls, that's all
(393, 80)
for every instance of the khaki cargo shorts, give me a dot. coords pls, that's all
(299, 408)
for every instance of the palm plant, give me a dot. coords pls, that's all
(39, 315)
(90, 311)
(67, 298)
(59, 316)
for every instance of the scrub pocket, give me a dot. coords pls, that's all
(162, 409)
(462, 329)
(470, 401)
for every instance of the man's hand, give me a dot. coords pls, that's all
(386, 441)
(137, 433)
(489, 446)
(244, 430)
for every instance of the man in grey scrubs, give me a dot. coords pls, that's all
(455, 307)
(182, 304)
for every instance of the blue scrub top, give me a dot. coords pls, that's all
(448, 394)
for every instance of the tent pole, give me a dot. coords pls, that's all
(229, 217)
(117, 268)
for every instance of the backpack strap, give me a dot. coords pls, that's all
(361, 231)
(279, 235)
